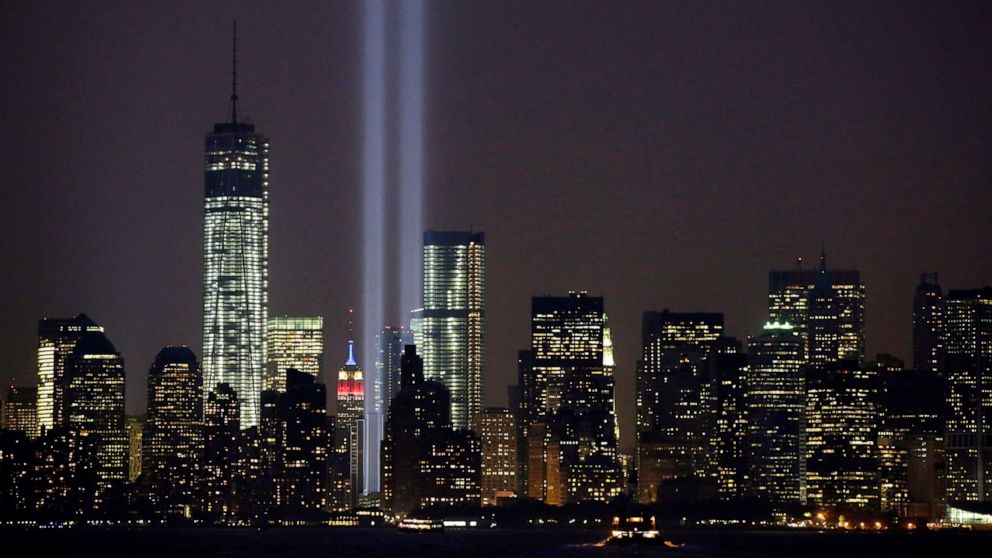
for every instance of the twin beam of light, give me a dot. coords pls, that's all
(409, 201)
(411, 153)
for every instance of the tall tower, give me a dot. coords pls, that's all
(384, 385)
(928, 319)
(349, 424)
(173, 440)
(56, 340)
(452, 324)
(236, 258)
(293, 342)
(775, 410)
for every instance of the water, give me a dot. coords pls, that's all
(385, 543)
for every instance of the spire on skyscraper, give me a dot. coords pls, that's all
(234, 76)
(351, 339)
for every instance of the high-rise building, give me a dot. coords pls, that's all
(841, 435)
(93, 387)
(928, 322)
(349, 426)
(300, 470)
(497, 433)
(21, 410)
(967, 367)
(452, 321)
(236, 260)
(670, 337)
(383, 386)
(911, 443)
(774, 406)
(790, 298)
(173, 441)
(293, 342)
(567, 385)
(56, 340)
(671, 375)
(424, 461)
(222, 428)
(724, 420)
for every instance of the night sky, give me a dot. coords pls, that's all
(658, 154)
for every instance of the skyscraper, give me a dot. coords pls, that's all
(841, 435)
(967, 362)
(928, 323)
(567, 386)
(222, 427)
(56, 340)
(348, 426)
(301, 464)
(383, 386)
(789, 301)
(293, 342)
(21, 410)
(173, 440)
(452, 322)
(236, 259)
(94, 410)
(498, 436)
(775, 410)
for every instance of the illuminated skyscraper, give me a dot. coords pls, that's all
(841, 312)
(236, 260)
(135, 432)
(775, 410)
(452, 322)
(670, 380)
(56, 340)
(383, 386)
(348, 426)
(173, 440)
(20, 411)
(967, 362)
(94, 410)
(841, 435)
(928, 323)
(293, 342)
(567, 386)
(498, 435)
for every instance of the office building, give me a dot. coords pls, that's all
(382, 388)
(56, 340)
(928, 322)
(452, 321)
(349, 430)
(497, 433)
(20, 410)
(236, 260)
(293, 342)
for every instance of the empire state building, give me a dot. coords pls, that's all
(236, 259)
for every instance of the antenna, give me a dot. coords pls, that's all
(234, 76)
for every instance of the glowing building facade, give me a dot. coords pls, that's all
(94, 410)
(836, 310)
(293, 342)
(967, 362)
(20, 410)
(452, 322)
(236, 261)
(56, 340)
(173, 440)
(774, 403)
(497, 433)
(348, 430)
(841, 435)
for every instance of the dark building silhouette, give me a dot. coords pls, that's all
(20, 410)
(928, 322)
(302, 442)
(172, 444)
(424, 461)
(222, 426)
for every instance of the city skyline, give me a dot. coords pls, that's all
(728, 276)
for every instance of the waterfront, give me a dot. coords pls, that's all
(376, 543)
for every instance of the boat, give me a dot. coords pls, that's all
(416, 525)
(634, 529)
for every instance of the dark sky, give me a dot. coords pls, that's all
(663, 154)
